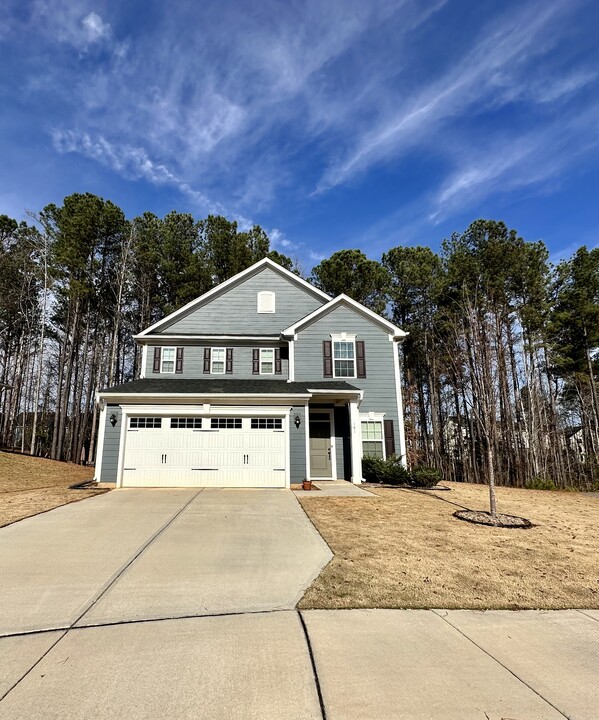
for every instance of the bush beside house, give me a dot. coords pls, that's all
(392, 472)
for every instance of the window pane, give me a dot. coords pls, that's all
(266, 424)
(343, 350)
(374, 449)
(344, 368)
(145, 423)
(186, 423)
(168, 353)
(372, 430)
(225, 423)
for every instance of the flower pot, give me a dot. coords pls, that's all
(307, 485)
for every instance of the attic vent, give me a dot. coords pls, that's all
(266, 302)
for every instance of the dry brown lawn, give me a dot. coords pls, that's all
(406, 550)
(29, 486)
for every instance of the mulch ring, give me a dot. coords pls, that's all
(480, 517)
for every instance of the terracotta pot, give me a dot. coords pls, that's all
(307, 485)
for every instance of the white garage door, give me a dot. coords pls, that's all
(209, 451)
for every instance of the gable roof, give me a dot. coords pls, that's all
(230, 283)
(354, 305)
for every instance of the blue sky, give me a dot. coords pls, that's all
(332, 124)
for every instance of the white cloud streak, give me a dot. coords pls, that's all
(468, 87)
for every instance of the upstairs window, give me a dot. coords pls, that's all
(267, 361)
(218, 361)
(344, 359)
(167, 362)
(266, 302)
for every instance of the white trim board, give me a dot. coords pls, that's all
(146, 339)
(218, 289)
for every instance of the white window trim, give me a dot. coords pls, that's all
(212, 372)
(272, 350)
(373, 417)
(345, 338)
(168, 372)
(268, 298)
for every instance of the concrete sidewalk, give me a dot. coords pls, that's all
(365, 665)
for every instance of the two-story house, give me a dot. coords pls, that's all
(260, 382)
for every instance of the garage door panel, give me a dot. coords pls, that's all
(223, 457)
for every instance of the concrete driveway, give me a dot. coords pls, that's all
(145, 554)
(177, 603)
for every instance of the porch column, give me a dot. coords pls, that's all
(355, 434)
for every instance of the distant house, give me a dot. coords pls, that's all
(262, 381)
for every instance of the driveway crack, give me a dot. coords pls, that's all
(323, 711)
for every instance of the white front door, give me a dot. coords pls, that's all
(222, 451)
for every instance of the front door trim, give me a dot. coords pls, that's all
(331, 413)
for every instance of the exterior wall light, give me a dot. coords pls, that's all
(298, 421)
(113, 419)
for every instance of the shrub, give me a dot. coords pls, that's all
(373, 469)
(388, 472)
(423, 476)
(540, 483)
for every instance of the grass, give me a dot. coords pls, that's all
(406, 550)
(29, 486)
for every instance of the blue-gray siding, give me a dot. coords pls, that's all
(193, 363)
(110, 454)
(235, 311)
(379, 383)
(297, 445)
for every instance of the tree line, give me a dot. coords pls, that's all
(498, 368)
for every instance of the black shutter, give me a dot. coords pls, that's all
(206, 360)
(389, 438)
(256, 361)
(327, 358)
(229, 366)
(179, 362)
(156, 367)
(361, 358)
(278, 364)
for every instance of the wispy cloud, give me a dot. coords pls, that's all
(532, 159)
(466, 88)
(95, 29)
(130, 162)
